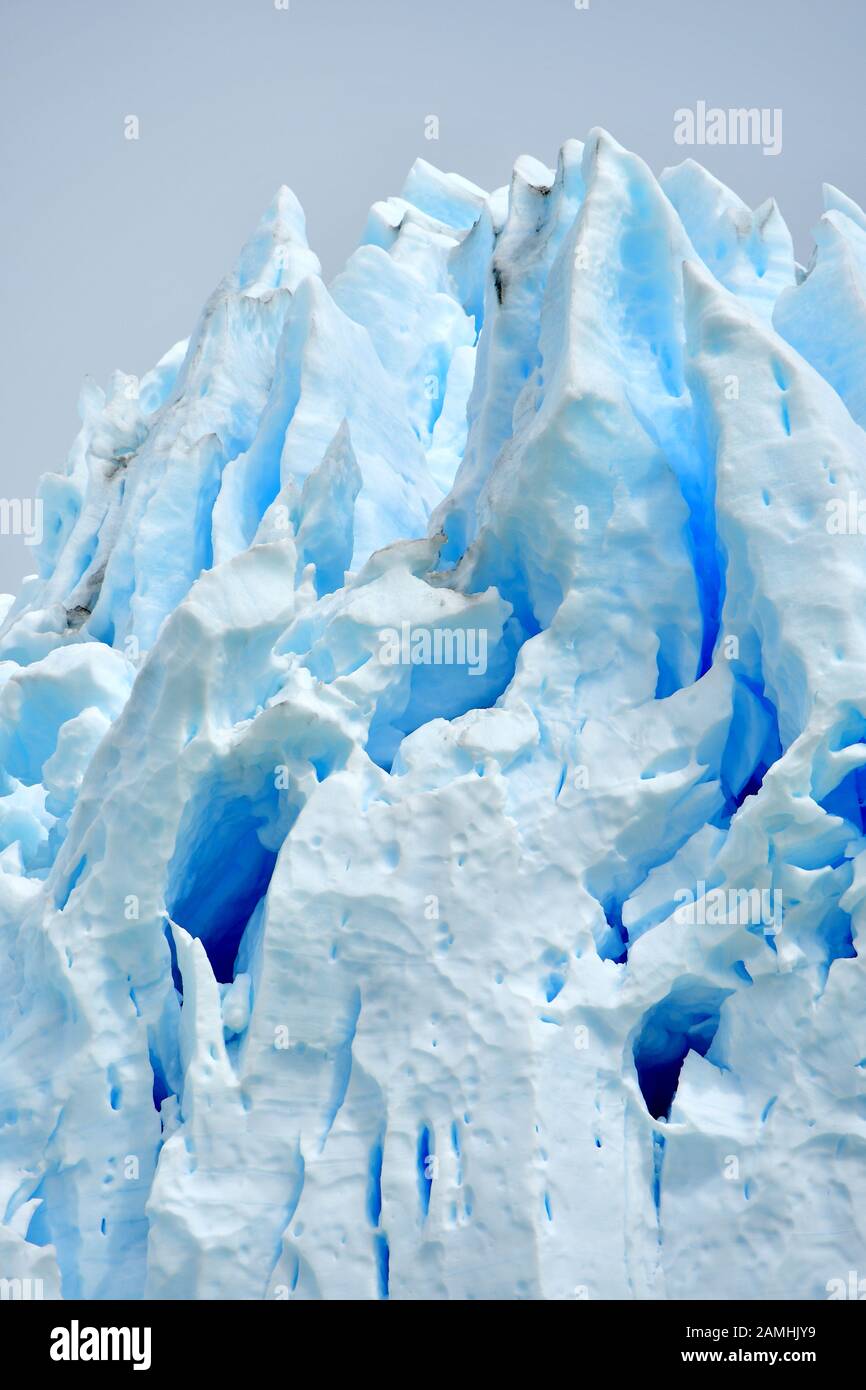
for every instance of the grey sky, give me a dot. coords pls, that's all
(108, 247)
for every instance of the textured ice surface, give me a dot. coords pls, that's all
(434, 751)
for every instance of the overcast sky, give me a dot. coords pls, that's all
(110, 246)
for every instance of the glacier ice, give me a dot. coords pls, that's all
(449, 973)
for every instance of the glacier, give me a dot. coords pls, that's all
(433, 808)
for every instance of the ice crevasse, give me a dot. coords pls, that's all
(432, 840)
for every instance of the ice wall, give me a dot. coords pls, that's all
(432, 816)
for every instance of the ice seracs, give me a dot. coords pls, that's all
(332, 969)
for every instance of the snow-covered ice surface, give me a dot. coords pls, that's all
(433, 853)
